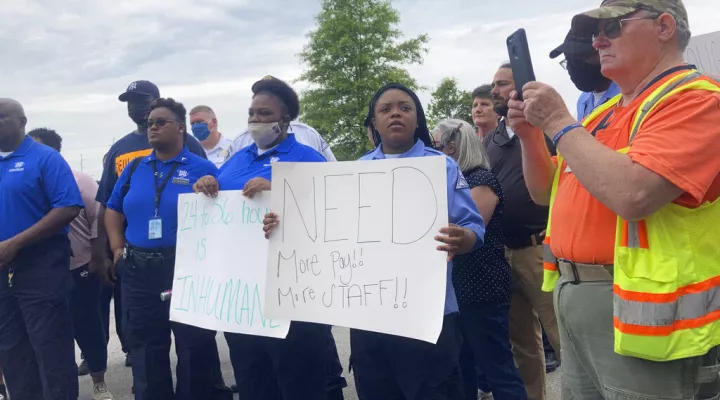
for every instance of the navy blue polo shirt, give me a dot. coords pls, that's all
(123, 151)
(34, 179)
(247, 164)
(139, 203)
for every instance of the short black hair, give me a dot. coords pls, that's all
(278, 88)
(177, 108)
(483, 92)
(48, 137)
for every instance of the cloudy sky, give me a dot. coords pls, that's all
(68, 60)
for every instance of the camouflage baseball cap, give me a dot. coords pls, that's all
(610, 9)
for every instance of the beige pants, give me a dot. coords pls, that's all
(529, 303)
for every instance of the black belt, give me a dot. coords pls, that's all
(158, 253)
(525, 241)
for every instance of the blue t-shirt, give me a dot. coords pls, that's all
(34, 179)
(123, 151)
(586, 103)
(139, 203)
(247, 164)
(462, 210)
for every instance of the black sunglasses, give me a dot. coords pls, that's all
(160, 122)
(613, 28)
(439, 146)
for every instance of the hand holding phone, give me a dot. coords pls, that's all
(520, 61)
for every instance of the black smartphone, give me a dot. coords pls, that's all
(520, 61)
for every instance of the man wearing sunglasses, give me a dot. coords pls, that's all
(582, 63)
(138, 96)
(634, 198)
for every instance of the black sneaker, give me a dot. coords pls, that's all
(128, 360)
(83, 369)
(551, 362)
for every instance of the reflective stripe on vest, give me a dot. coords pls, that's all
(667, 270)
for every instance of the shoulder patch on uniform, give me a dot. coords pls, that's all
(461, 181)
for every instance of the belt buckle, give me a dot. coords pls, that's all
(573, 267)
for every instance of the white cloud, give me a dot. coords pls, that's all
(67, 61)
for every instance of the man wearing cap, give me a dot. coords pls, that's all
(634, 198)
(583, 65)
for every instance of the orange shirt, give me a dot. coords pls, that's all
(679, 140)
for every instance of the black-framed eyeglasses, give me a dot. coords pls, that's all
(613, 28)
(439, 146)
(160, 122)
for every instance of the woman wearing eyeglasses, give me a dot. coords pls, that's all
(141, 222)
(482, 277)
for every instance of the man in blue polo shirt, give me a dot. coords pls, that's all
(38, 199)
(138, 96)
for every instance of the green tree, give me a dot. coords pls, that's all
(354, 50)
(449, 101)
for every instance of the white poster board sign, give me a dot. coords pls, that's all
(220, 265)
(704, 52)
(355, 245)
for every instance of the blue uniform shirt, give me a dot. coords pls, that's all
(34, 179)
(123, 151)
(247, 164)
(139, 204)
(462, 210)
(586, 102)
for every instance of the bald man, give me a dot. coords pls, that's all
(38, 200)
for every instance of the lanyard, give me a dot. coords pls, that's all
(159, 190)
(604, 123)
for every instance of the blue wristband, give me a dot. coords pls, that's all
(565, 130)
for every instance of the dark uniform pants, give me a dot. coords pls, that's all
(110, 293)
(147, 273)
(486, 344)
(294, 368)
(87, 320)
(391, 367)
(37, 347)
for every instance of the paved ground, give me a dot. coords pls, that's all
(119, 378)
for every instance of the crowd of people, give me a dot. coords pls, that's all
(588, 242)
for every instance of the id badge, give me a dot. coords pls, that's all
(155, 229)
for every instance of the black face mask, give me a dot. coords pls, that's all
(139, 109)
(586, 77)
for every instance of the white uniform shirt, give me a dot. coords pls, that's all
(304, 134)
(221, 152)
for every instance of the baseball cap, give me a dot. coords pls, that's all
(575, 46)
(141, 88)
(610, 9)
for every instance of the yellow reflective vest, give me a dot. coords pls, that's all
(666, 292)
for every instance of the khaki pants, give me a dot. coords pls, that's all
(593, 371)
(529, 303)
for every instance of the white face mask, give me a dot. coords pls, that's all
(264, 134)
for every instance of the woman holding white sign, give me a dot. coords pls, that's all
(393, 367)
(301, 365)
